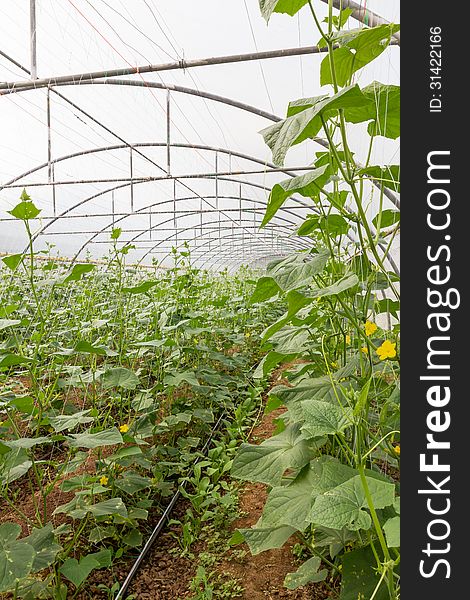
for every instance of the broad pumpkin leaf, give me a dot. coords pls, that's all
(290, 339)
(270, 361)
(392, 532)
(357, 48)
(143, 288)
(131, 482)
(108, 437)
(295, 302)
(265, 288)
(4, 323)
(77, 508)
(306, 124)
(307, 573)
(308, 185)
(27, 442)
(12, 261)
(344, 505)
(77, 572)
(291, 503)
(13, 465)
(262, 539)
(11, 360)
(324, 418)
(120, 377)
(345, 283)
(78, 271)
(45, 546)
(360, 576)
(319, 388)
(293, 274)
(383, 109)
(268, 7)
(24, 211)
(268, 461)
(387, 218)
(67, 422)
(16, 557)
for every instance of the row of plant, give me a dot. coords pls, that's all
(111, 380)
(332, 467)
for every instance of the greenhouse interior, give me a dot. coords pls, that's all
(200, 300)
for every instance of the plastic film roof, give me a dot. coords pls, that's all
(172, 156)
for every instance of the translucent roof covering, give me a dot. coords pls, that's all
(171, 155)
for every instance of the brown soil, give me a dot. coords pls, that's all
(262, 576)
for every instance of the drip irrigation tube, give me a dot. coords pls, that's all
(162, 521)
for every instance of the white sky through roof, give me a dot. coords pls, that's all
(75, 36)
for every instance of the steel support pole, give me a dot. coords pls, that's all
(32, 34)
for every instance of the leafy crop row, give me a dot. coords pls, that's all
(332, 467)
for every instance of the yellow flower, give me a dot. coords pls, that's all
(247, 334)
(365, 349)
(124, 428)
(348, 339)
(104, 480)
(397, 449)
(370, 327)
(387, 350)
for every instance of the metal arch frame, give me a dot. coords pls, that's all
(168, 238)
(224, 100)
(215, 149)
(104, 229)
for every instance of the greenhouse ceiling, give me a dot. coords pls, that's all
(148, 121)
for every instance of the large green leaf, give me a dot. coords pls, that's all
(268, 7)
(132, 482)
(306, 124)
(12, 261)
(143, 288)
(307, 573)
(78, 271)
(120, 377)
(392, 532)
(10, 360)
(76, 571)
(357, 48)
(387, 218)
(16, 556)
(13, 465)
(290, 504)
(67, 422)
(24, 211)
(324, 418)
(383, 109)
(343, 506)
(295, 302)
(262, 539)
(346, 283)
(78, 508)
(360, 576)
(265, 288)
(4, 323)
(308, 185)
(108, 437)
(290, 340)
(268, 461)
(293, 274)
(45, 546)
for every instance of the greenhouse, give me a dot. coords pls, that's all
(200, 300)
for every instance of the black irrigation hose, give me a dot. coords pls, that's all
(161, 523)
